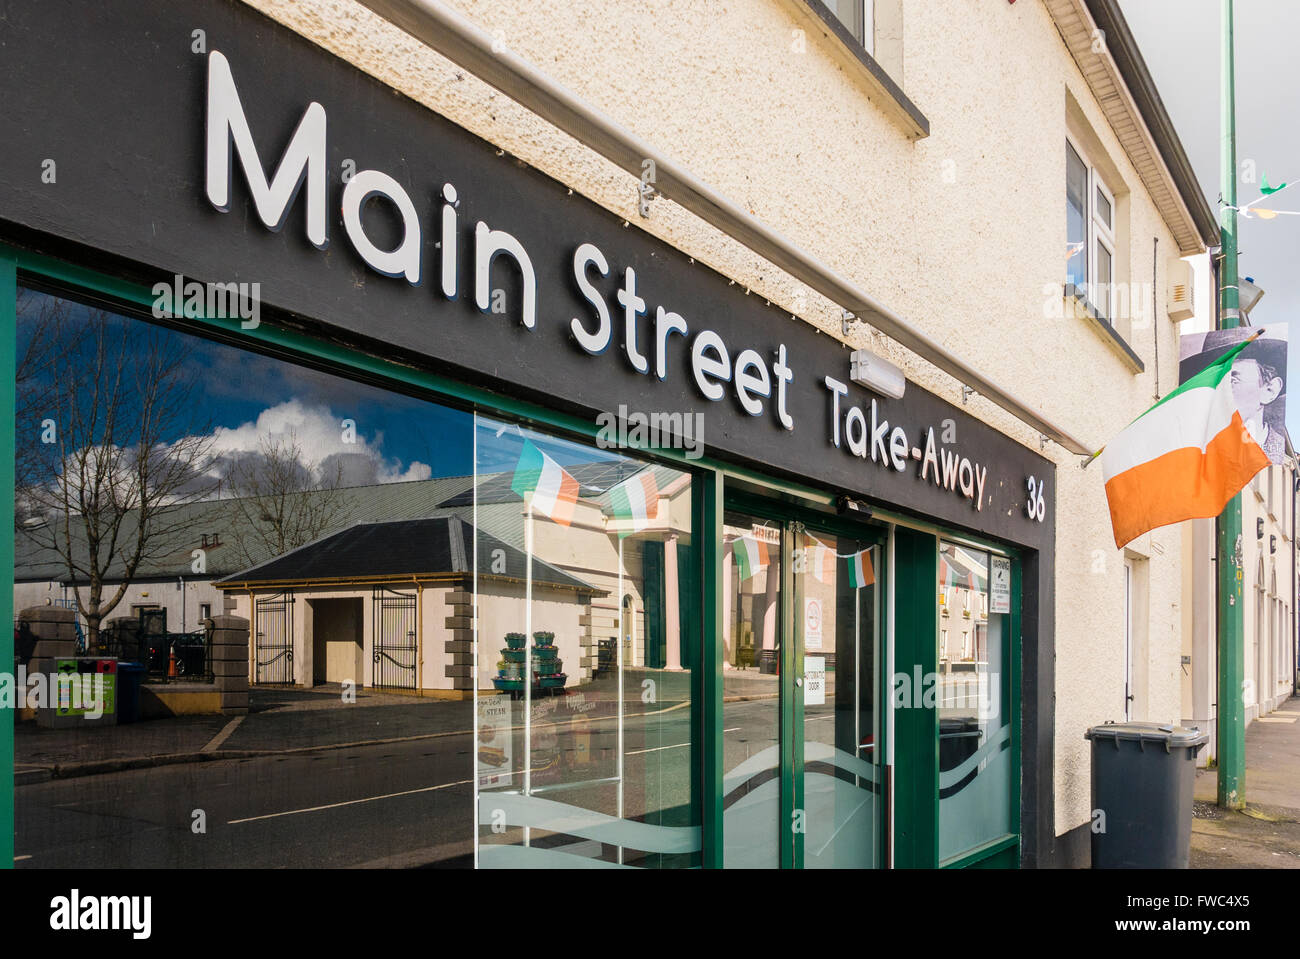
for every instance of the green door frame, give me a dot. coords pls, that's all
(791, 701)
(916, 731)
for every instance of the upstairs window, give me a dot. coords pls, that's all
(1089, 234)
(858, 17)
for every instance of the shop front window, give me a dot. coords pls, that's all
(584, 633)
(164, 477)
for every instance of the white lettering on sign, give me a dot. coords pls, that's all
(756, 380)
(303, 158)
(944, 467)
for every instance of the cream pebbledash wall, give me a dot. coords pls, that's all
(962, 232)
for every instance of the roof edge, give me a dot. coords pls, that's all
(1132, 67)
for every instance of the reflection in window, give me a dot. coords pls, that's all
(751, 643)
(582, 682)
(975, 758)
(317, 519)
(837, 597)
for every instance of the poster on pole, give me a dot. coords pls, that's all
(1258, 378)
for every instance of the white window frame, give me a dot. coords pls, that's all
(866, 10)
(1097, 233)
(1103, 236)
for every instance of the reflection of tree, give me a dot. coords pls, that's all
(284, 500)
(127, 449)
(49, 337)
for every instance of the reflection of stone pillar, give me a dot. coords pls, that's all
(672, 614)
(728, 616)
(773, 576)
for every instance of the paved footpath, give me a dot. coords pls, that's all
(1267, 834)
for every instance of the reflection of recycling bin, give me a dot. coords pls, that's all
(959, 739)
(1142, 777)
(130, 677)
(80, 692)
(768, 661)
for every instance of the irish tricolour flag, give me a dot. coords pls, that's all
(751, 555)
(554, 491)
(635, 502)
(1182, 459)
(860, 571)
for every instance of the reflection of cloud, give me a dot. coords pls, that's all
(325, 442)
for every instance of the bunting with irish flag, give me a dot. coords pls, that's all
(554, 491)
(751, 555)
(1182, 459)
(635, 502)
(860, 571)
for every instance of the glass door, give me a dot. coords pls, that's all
(837, 630)
(752, 755)
(801, 680)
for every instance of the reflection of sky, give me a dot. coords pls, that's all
(499, 446)
(235, 387)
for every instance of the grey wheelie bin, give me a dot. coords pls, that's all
(1142, 777)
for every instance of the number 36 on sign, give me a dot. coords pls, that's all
(1035, 506)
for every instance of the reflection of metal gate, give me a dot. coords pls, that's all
(273, 647)
(395, 644)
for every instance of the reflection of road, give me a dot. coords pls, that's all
(394, 804)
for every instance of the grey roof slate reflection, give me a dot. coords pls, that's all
(499, 515)
(443, 544)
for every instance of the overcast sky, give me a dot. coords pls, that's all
(1180, 40)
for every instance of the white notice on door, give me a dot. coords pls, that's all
(812, 624)
(1000, 584)
(814, 680)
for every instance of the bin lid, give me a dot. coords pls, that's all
(1167, 734)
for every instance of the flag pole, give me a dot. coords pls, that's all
(1231, 730)
(621, 634)
(528, 655)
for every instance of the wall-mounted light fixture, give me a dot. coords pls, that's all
(877, 374)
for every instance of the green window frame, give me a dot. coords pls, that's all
(714, 484)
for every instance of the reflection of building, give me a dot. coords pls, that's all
(963, 609)
(383, 598)
(388, 604)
